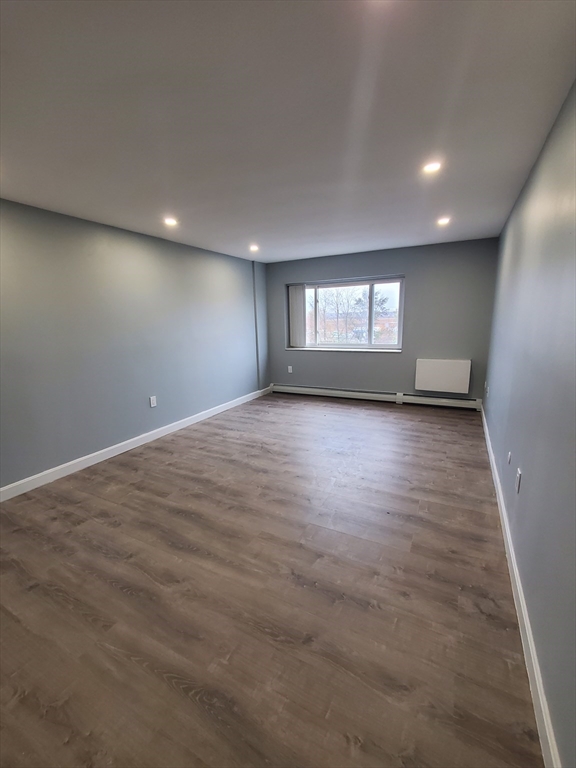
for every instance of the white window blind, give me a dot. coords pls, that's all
(297, 313)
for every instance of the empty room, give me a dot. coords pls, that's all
(287, 383)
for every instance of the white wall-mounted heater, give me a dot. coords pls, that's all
(443, 375)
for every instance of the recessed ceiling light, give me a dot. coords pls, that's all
(443, 221)
(170, 221)
(432, 167)
(254, 247)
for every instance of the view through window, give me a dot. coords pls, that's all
(354, 314)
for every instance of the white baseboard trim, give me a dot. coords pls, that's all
(49, 475)
(389, 397)
(545, 730)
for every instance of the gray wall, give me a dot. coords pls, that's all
(449, 293)
(261, 323)
(531, 409)
(95, 319)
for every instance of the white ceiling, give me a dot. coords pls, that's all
(301, 126)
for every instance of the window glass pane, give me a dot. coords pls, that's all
(343, 314)
(386, 304)
(310, 331)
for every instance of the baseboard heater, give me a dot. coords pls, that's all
(389, 397)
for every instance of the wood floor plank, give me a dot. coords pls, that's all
(299, 581)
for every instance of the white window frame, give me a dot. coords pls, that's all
(369, 346)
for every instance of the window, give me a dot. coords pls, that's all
(357, 314)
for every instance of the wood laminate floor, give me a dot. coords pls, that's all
(295, 583)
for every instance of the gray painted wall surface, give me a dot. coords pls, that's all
(262, 323)
(95, 319)
(531, 409)
(449, 294)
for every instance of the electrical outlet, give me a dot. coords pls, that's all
(509, 457)
(289, 369)
(153, 401)
(487, 390)
(518, 480)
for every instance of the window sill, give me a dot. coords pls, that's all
(340, 349)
